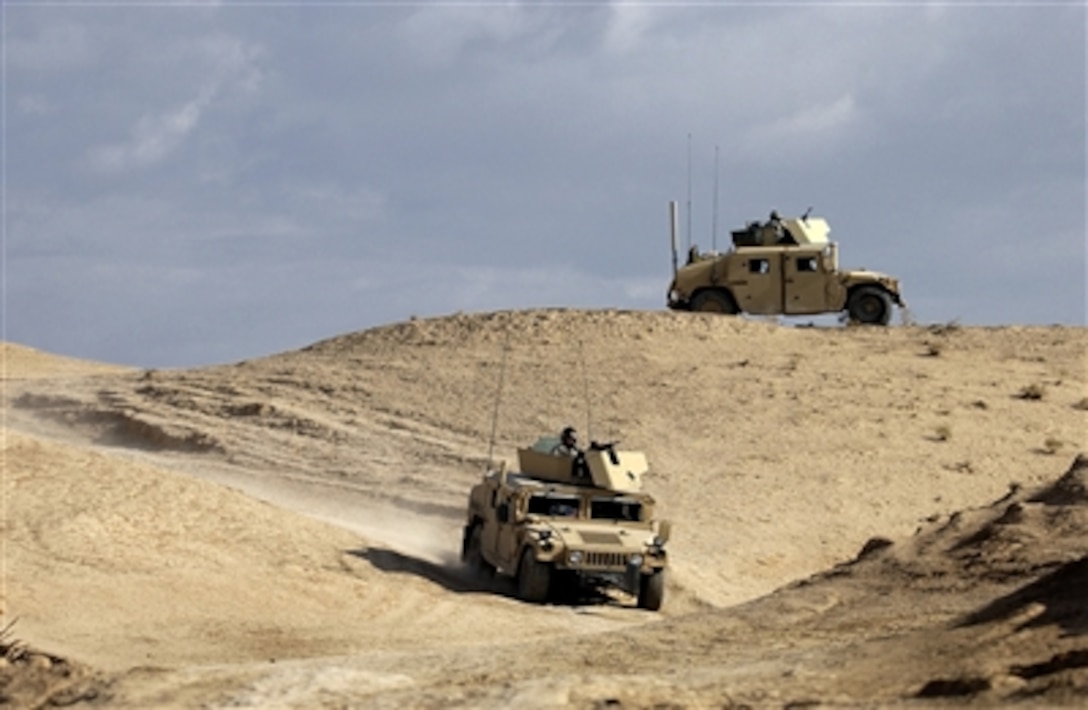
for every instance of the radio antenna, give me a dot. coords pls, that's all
(585, 387)
(687, 234)
(673, 229)
(714, 228)
(498, 396)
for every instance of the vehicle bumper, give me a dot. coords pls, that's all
(675, 302)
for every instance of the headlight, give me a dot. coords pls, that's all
(636, 560)
(575, 557)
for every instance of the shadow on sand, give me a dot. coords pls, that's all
(1061, 594)
(457, 578)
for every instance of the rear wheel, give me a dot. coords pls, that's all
(714, 301)
(534, 578)
(651, 590)
(870, 305)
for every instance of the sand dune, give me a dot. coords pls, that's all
(905, 503)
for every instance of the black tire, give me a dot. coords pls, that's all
(534, 578)
(651, 590)
(870, 305)
(714, 301)
(473, 556)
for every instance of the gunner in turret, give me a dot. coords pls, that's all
(568, 443)
(777, 230)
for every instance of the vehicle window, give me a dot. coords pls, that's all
(615, 509)
(554, 505)
(759, 266)
(806, 263)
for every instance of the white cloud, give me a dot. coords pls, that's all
(42, 224)
(33, 104)
(228, 66)
(476, 288)
(627, 26)
(153, 138)
(647, 291)
(60, 46)
(342, 202)
(232, 63)
(809, 130)
(438, 35)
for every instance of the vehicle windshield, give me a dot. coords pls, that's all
(619, 508)
(557, 506)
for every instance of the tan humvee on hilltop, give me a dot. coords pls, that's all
(563, 522)
(781, 267)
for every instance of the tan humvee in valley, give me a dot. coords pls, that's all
(781, 267)
(562, 523)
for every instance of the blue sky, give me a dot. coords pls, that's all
(194, 183)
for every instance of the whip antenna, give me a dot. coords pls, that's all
(585, 387)
(498, 396)
(673, 229)
(688, 233)
(714, 228)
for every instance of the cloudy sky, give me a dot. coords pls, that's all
(192, 183)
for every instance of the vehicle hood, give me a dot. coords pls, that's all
(860, 276)
(692, 273)
(867, 274)
(577, 536)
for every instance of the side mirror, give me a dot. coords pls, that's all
(664, 529)
(503, 513)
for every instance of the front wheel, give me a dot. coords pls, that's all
(714, 301)
(651, 590)
(870, 305)
(534, 578)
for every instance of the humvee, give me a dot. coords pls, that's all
(562, 523)
(781, 267)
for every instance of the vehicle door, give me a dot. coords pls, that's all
(508, 515)
(756, 280)
(497, 525)
(805, 279)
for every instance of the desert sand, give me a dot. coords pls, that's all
(865, 517)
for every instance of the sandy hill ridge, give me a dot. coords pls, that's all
(138, 529)
(22, 362)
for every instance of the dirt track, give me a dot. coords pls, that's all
(283, 532)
